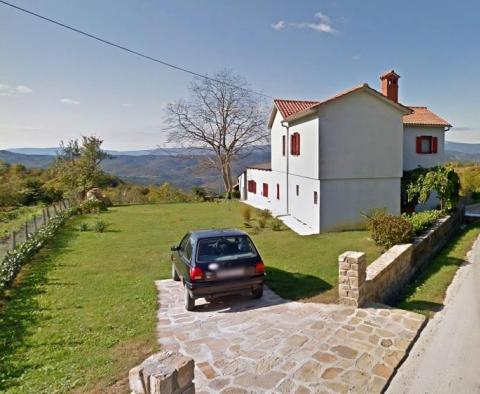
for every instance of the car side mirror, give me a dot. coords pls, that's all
(174, 248)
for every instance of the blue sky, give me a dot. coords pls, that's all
(55, 84)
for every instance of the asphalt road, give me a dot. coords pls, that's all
(446, 357)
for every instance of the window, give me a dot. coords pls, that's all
(188, 250)
(284, 141)
(265, 190)
(252, 187)
(427, 144)
(315, 198)
(220, 249)
(295, 144)
(278, 191)
(297, 190)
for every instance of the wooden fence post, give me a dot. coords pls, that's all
(48, 213)
(26, 231)
(35, 223)
(55, 209)
(13, 240)
(44, 216)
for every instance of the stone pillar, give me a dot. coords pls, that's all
(166, 372)
(352, 273)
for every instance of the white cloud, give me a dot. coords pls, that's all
(23, 89)
(4, 90)
(356, 57)
(69, 101)
(322, 24)
(125, 105)
(279, 25)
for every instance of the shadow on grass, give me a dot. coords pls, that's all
(294, 285)
(420, 306)
(19, 309)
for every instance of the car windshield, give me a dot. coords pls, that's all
(225, 248)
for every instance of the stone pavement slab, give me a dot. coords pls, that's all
(242, 345)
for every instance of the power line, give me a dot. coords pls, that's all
(134, 52)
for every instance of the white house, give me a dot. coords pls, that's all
(334, 159)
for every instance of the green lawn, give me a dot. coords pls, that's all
(426, 294)
(22, 215)
(84, 311)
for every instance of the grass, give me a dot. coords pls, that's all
(426, 294)
(22, 215)
(84, 311)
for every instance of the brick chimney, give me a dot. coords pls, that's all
(390, 85)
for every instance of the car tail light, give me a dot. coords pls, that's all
(260, 268)
(196, 273)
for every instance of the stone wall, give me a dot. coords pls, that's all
(393, 270)
(166, 372)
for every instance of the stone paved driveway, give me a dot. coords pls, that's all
(242, 345)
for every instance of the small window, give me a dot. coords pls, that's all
(183, 243)
(295, 144)
(265, 190)
(315, 198)
(284, 141)
(278, 191)
(252, 187)
(427, 144)
(297, 190)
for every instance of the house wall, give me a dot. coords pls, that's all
(344, 200)
(305, 164)
(302, 207)
(412, 159)
(278, 161)
(360, 137)
(272, 178)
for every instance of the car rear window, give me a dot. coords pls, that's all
(225, 248)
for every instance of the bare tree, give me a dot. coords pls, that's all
(221, 115)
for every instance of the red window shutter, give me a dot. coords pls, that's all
(298, 144)
(265, 190)
(292, 144)
(419, 144)
(434, 144)
(278, 191)
(315, 198)
(283, 144)
(255, 187)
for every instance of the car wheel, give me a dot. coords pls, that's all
(188, 301)
(257, 292)
(175, 276)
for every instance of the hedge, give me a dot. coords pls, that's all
(23, 253)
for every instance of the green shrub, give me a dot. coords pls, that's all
(100, 226)
(24, 252)
(83, 226)
(246, 213)
(421, 221)
(236, 194)
(265, 214)
(277, 224)
(388, 230)
(93, 206)
(262, 222)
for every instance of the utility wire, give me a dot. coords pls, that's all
(134, 52)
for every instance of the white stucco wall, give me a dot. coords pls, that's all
(272, 178)
(343, 200)
(278, 161)
(302, 207)
(305, 164)
(360, 137)
(412, 159)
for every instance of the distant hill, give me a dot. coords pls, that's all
(462, 147)
(174, 166)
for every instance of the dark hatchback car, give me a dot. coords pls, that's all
(215, 263)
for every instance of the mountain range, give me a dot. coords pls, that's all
(184, 167)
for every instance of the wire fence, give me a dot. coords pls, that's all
(31, 226)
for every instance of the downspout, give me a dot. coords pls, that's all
(287, 154)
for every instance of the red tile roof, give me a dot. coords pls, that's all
(422, 116)
(290, 107)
